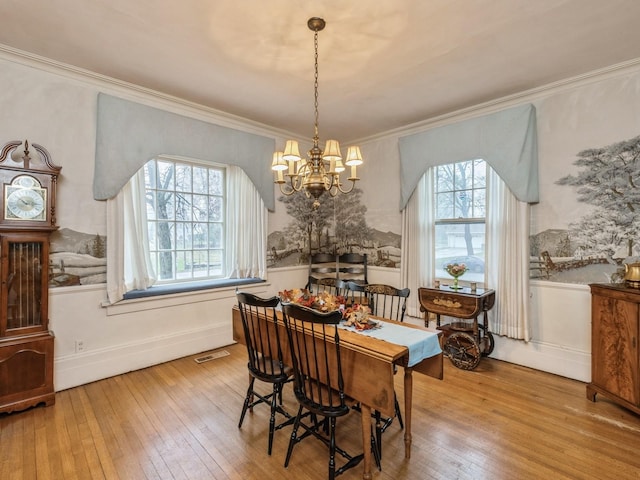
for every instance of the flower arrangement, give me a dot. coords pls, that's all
(456, 270)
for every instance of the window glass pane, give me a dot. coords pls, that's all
(200, 235)
(479, 202)
(183, 207)
(165, 175)
(183, 264)
(150, 199)
(480, 174)
(215, 262)
(200, 180)
(463, 175)
(200, 263)
(165, 268)
(444, 178)
(444, 205)
(165, 204)
(215, 235)
(460, 243)
(150, 174)
(151, 231)
(216, 182)
(215, 209)
(200, 210)
(462, 207)
(183, 178)
(183, 235)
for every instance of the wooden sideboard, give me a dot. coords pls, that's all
(615, 362)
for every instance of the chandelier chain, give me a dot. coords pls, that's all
(315, 87)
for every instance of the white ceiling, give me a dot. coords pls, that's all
(383, 63)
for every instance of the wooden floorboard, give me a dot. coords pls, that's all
(179, 421)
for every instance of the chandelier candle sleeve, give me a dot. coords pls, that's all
(320, 171)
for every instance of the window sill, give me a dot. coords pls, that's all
(168, 296)
(186, 287)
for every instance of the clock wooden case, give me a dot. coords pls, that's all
(27, 218)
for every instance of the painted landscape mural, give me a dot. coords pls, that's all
(338, 225)
(595, 246)
(77, 258)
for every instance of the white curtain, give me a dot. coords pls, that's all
(128, 261)
(508, 259)
(416, 265)
(246, 228)
(507, 237)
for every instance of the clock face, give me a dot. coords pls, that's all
(25, 203)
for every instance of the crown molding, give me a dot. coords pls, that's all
(138, 93)
(612, 71)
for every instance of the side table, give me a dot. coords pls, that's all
(463, 342)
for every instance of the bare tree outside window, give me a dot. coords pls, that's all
(185, 213)
(460, 209)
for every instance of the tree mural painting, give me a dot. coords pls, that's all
(610, 181)
(336, 224)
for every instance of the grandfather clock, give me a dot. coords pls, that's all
(27, 219)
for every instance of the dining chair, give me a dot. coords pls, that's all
(314, 343)
(353, 267)
(387, 302)
(354, 293)
(323, 285)
(322, 265)
(265, 358)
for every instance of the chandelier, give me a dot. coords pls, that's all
(320, 172)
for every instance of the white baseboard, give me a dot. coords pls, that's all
(81, 368)
(546, 357)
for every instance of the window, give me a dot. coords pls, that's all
(460, 210)
(185, 217)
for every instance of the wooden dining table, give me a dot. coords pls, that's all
(368, 366)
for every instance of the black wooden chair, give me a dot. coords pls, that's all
(325, 284)
(318, 382)
(354, 292)
(265, 358)
(388, 302)
(353, 267)
(322, 266)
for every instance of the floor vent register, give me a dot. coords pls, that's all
(212, 356)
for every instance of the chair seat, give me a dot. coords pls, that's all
(317, 402)
(269, 364)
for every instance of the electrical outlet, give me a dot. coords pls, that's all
(79, 346)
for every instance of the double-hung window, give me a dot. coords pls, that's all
(185, 205)
(460, 211)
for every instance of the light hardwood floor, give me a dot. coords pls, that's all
(179, 420)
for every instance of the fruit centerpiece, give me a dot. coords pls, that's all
(456, 270)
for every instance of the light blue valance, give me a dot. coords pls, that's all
(129, 134)
(506, 140)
